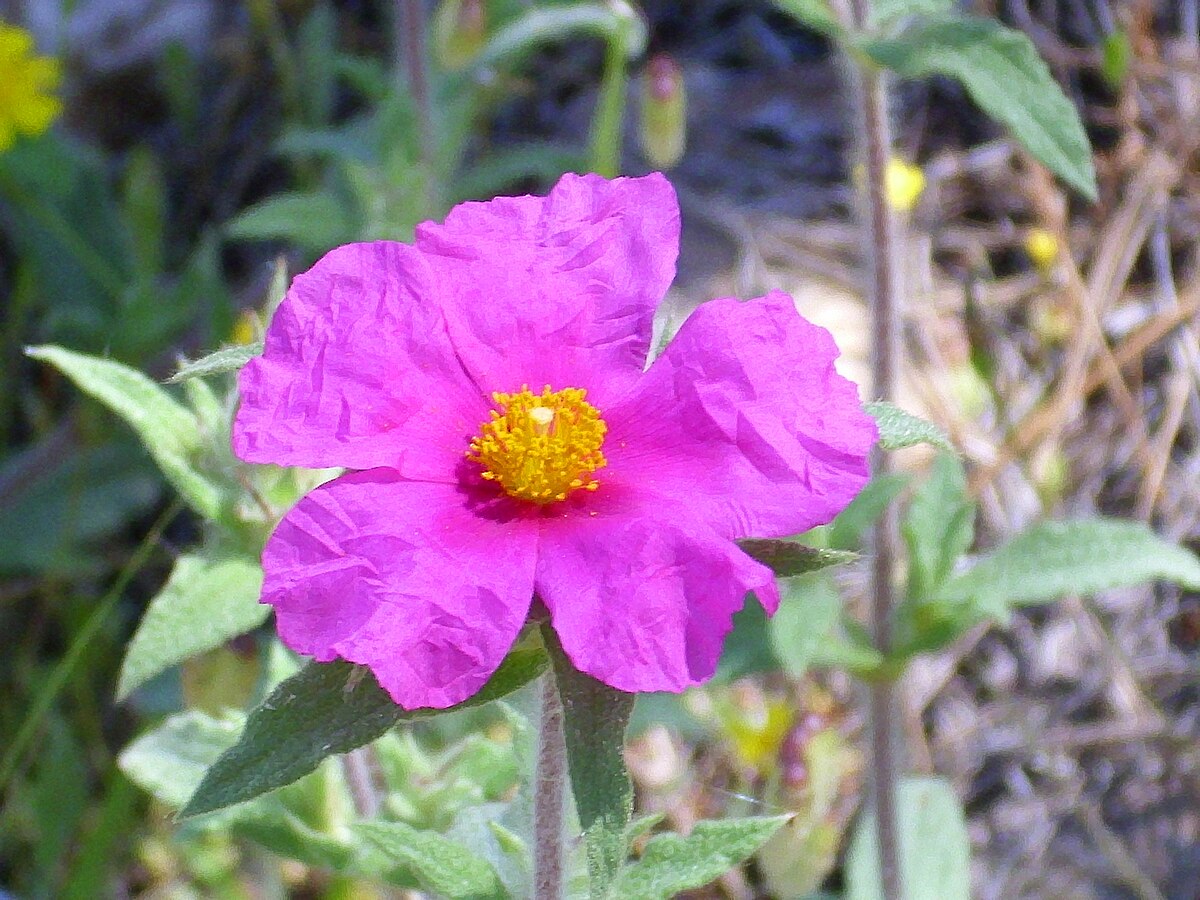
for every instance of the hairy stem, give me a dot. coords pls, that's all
(549, 798)
(412, 44)
(875, 134)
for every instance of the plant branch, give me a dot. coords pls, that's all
(549, 785)
(875, 135)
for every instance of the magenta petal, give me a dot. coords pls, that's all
(557, 290)
(644, 605)
(744, 423)
(406, 578)
(358, 372)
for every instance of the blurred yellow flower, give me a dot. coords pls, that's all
(756, 734)
(904, 185)
(27, 104)
(1043, 248)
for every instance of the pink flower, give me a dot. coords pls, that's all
(487, 386)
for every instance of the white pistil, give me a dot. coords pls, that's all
(542, 418)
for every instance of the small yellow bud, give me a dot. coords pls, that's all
(246, 329)
(905, 183)
(1043, 249)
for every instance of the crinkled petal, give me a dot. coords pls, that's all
(359, 372)
(410, 579)
(744, 422)
(640, 602)
(557, 290)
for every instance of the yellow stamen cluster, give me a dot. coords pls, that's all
(541, 447)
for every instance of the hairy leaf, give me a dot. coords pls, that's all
(167, 428)
(1056, 558)
(438, 864)
(673, 863)
(327, 708)
(1001, 70)
(899, 429)
(204, 603)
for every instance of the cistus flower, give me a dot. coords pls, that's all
(27, 82)
(487, 386)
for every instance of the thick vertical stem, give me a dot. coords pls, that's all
(549, 796)
(411, 41)
(875, 134)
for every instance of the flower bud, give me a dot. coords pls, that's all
(459, 32)
(904, 185)
(1043, 249)
(664, 112)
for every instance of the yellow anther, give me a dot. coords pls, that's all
(541, 447)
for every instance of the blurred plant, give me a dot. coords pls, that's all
(663, 133)
(402, 160)
(28, 105)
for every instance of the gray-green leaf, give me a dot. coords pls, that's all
(327, 708)
(899, 429)
(935, 853)
(204, 603)
(816, 14)
(170, 761)
(673, 863)
(788, 558)
(1056, 558)
(805, 621)
(169, 431)
(1001, 70)
(315, 221)
(438, 864)
(938, 526)
(227, 359)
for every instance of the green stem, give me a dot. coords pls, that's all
(53, 684)
(604, 156)
(549, 795)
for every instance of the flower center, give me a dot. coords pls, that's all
(541, 447)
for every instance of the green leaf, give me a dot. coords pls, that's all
(806, 620)
(938, 526)
(673, 863)
(935, 853)
(439, 865)
(815, 14)
(788, 558)
(542, 25)
(899, 429)
(885, 12)
(170, 761)
(204, 603)
(327, 708)
(595, 719)
(67, 504)
(849, 648)
(1001, 70)
(145, 211)
(1056, 558)
(227, 359)
(315, 221)
(169, 431)
(847, 530)
(1116, 56)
